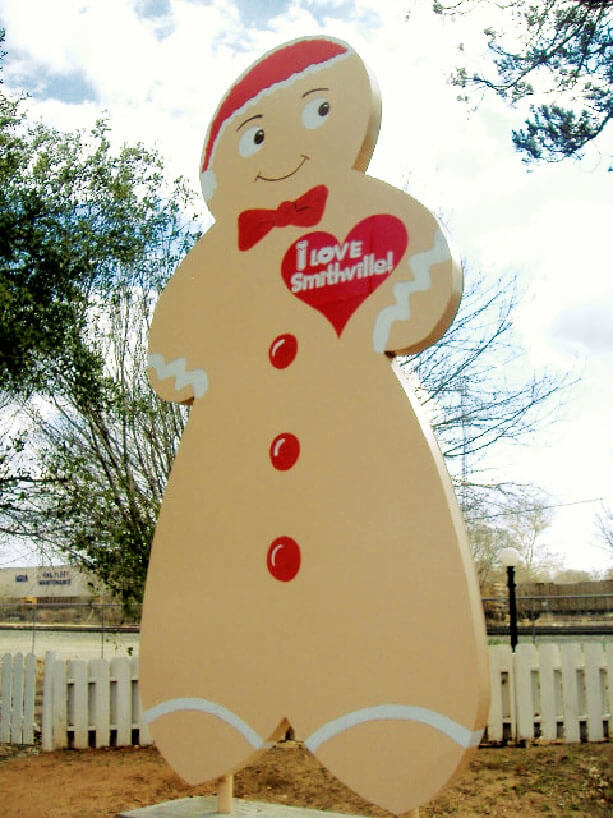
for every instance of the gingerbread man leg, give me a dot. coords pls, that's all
(396, 763)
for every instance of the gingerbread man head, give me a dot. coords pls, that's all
(305, 112)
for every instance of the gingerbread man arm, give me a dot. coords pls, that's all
(173, 381)
(179, 336)
(426, 287)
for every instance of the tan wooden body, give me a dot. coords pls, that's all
(385, 608)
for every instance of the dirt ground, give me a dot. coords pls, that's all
(561, 780)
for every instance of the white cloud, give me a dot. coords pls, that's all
(588, 327)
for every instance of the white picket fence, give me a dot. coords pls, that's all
(83, 704)
(92, 703)
(17, 695)
(562, 692)
(551, 692)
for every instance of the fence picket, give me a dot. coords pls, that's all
(609, 703)
(59, 704)
(549, 656)
(101, 705)
(47, 717)
(571, 661)
(121, 701)
(144, 735)
(594, 700)
(29, 694)
(525, 663)
(17, 700)
(499, 665)
(5, 714)
(78, 715)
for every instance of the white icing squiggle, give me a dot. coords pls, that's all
(456, 732)
(419, 265)
(197, 378)
(204, 706)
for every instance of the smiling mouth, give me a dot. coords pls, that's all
(281, 178)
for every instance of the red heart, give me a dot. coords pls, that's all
(336, 278)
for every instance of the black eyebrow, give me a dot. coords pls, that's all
(312, 91)
(255, 116)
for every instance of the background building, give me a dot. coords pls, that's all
(64, 583)
(55, 594)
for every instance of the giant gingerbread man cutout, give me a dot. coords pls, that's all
(310, 562)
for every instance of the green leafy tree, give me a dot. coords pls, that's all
(88, 484)
(76, 219)
(88, 238)
(560, 51)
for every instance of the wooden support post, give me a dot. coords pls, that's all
(224, 795)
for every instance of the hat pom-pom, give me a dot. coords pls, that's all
(208, 182)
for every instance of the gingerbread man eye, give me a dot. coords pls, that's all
(251, 141)
(315, 112)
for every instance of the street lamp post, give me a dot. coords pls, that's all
(510, 557)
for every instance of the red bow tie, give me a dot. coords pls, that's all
(306, 211)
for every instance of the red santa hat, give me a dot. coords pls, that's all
(279, 67)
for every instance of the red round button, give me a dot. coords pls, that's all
(283, 559)
(282, 351)
(284, 451)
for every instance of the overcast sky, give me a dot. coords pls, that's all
(159, 68)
